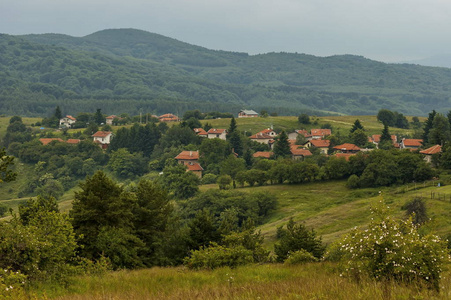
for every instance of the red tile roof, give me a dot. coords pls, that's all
(320, 143)
(73, 141)
(264, 154)
(432, 150)
(188, 155)
(347, 147)
(321, 132)
(46, 141)
(295, 150)
(70, 117)
(193, 166)
(200, 131)
(168, 117)
(216, 131)
(303, 132)
(102, 134)
(111, 117)
(412, 142)
(377, 138)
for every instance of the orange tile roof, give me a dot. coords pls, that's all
(432, 150)
(320, 143)
(347, 147)
(264, 154)
(216, 131)
(168, 117)
(73, 141)
(303, 132)
(70, 117)
(102, 134)
(111, 117)
(46, 141)
(321, 132)
(200, 131)
(412, 142)
(377, 138)
(295, 150)
(187, 155)
(193, 166)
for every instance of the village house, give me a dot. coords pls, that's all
(188, 156)
(201, 132)
(191, 160)
(411, 144)
(247, 114)
(109, 119)
(322, 145)
(298, 153)
(376, 138)
(265, 136)
(347, 148)
(431, 151)
(168, 118)
(317, 134)
(303, 132)
(217, 133)
(67, 121)
(103, 138)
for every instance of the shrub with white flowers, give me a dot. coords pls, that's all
(394, 250)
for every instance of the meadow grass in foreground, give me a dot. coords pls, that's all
(275, 281)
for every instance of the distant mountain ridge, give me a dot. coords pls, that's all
(129, 70)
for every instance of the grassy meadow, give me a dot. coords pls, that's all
(275, 281)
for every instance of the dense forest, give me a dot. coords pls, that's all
(134, 71)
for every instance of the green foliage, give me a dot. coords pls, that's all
(394, 250)
(296, 237)
(209, 179)
(216, 256)
(304, 119)
(224, 182)
(127, 165)
(33, 207)
(12, 284)
(440, 133)
(179, 182)
(282, 146)
(357, 125)
(100, 206)
(6, 161)
(3, 210)
(300, 257)
(416, 209)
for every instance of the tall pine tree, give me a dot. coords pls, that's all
(282, 146)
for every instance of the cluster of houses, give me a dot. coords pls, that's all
(313, 139)
(68, 120)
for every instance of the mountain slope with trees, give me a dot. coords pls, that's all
(128, 70)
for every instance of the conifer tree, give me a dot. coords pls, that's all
(58, 113)
(357, 125)
(282, 146)
(428, 126)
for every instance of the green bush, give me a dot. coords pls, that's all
(393, 250)
(215, 256)
(209, 179)
(353, 182)
(300, 257)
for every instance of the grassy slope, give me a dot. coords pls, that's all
(341, 123)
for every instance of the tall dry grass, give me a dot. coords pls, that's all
(311, 281)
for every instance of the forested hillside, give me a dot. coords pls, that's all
(127, 70)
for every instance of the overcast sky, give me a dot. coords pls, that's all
(385, 30)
